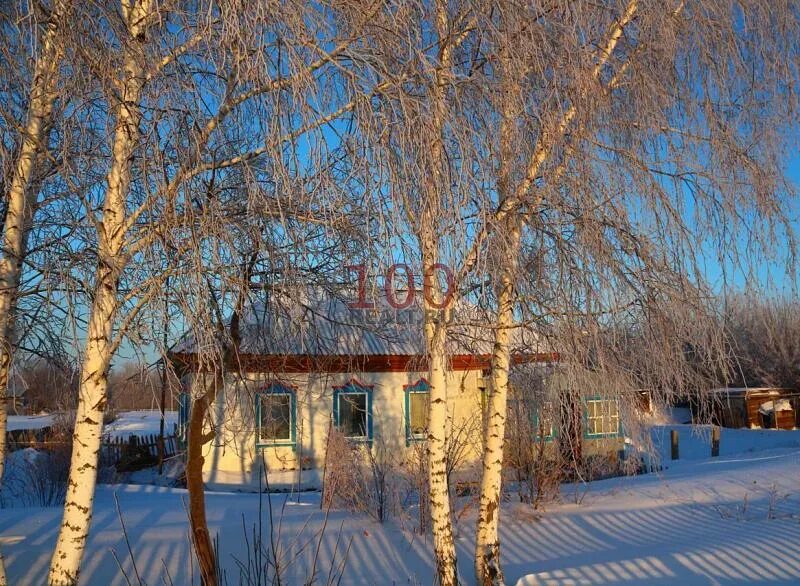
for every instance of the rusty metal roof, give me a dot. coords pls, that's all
(322, 323)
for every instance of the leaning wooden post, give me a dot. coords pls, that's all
(715, 433)
(673, 434)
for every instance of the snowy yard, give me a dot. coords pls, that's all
(141, 423)
(18, 422)
(694, 441)
(734, 519)
(126, 424)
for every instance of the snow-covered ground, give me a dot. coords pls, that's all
(694, 441)
(727, 520)
(127, 423)
(733, 519)
(17, 422)
(145, 422)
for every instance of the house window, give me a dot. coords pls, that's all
(275, 414)
(483, 391)
(533, 418)
(543, 422)
(418, 398)
(352, 410)
(602, 417)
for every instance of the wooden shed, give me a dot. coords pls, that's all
(756, 407)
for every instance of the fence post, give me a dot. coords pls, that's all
(673, 435)
(715, 433)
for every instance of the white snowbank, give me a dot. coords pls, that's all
(780, 405)
(145, 422)
(726, 520)
(18, 422)
(694, 441)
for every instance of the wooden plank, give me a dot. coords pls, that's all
(715, 434)
(673, 437)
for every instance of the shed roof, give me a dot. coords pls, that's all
(772, 391)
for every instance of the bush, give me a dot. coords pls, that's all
(360, 477)
(532, 460)
(36, 478)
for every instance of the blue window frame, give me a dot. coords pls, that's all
(276, 416)
(533, 412)
(352, 410)
(544, 416)
(184, 411)
(601, 418)
(417, 398)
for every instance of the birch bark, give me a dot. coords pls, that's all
(435, 323)
(439, 494)
(488, 570)
(22, 199)
(487, 546)
(66, 560)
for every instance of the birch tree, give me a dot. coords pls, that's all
(137, 17)
(21, 194)
(435, 317)
(428, 220)
(265, 86)
(421, 135)
(487, 548)
(626, 249)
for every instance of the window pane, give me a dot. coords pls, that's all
(276, 417)
(544, 421)
(603, 417)
(418, 412)
(353, 414)
(595, 424)
(614, 422)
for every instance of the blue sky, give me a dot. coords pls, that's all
(768, 276)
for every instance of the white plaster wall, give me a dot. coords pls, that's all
(233, 461)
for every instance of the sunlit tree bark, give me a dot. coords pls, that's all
(66, 560)
(21, 197)
(435, 319)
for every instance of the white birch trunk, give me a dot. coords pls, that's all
(488, 570)
(435, 325)
(66, 560)
(487, 545)
(439, 493)
(76, 521)
(22, 198)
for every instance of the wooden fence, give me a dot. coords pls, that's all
(114, 449)
(132, 452)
